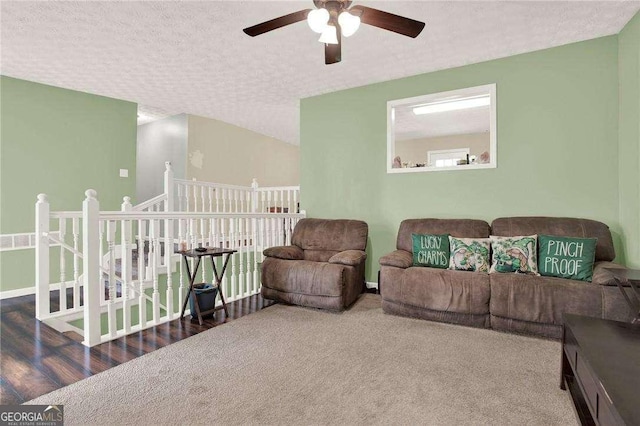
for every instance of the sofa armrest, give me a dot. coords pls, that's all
(349, 257)
(398, 258)
(602, 276)
(285, 252)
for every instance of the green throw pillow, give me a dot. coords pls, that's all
(431, 250)
(567, 257)
(469, 254)
(514, 254)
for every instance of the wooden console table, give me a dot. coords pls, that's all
(198, 255)
(601, 370)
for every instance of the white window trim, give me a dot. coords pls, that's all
(493, 136)
(438, 152)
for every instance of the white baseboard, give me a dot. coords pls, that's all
(17, 293)
(8, 294)
(371, 284)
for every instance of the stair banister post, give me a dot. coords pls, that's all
(254, 195)
(255, 233)
(126, 241)
(42, 257)
(168, 235)
(91, 268)
(126, 259)
(168, 186)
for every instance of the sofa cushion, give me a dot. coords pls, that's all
(333, 235)
(436, 289)
(314, 301)
(567, 257)
(469, 254)
(397, 258)
(560, 226)
(431, 250)
(462, 228)
(471, 320)
(602, 276)
(510, 325)
(303, 277)
(319, 255)
(349, 257)
(542, 299)
(285, 252)
(514, 254)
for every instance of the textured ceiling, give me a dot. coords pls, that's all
(192, 57)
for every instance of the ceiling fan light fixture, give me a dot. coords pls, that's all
(330, 16)
(318, 19)
(348, 23)
(329, 36)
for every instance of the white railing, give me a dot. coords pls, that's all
(281, 199)
(156, 204)
(197, 196)
(20, 241)
(118, 270)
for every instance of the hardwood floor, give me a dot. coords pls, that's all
(36, 359)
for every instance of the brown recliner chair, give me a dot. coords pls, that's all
(323, 268)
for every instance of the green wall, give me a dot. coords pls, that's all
(59, 142)
(557, 147)
(629, 138)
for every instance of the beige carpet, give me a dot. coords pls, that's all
(291, 365)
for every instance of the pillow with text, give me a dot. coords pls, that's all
(431, 250)
(566, 257)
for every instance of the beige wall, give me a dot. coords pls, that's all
(223, 153)
(415, 150)
(160, 141)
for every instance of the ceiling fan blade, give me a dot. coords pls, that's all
(333, 52)
(389, 21)
(276, 23)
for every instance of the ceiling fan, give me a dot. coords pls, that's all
(334, 19)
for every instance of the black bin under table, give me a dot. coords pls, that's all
(198, 255)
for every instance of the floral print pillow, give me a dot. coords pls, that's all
(514, 254)
(469, 254)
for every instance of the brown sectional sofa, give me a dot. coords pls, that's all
(431, 293)
(508, 302)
